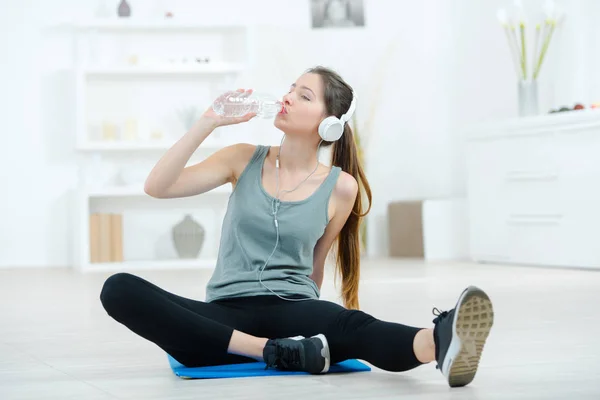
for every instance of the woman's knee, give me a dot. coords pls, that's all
(351, 320)
(115, 291)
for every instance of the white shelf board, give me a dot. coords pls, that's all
(124, 146)
(163, 69)
(145, 24)
(135, 191)
(196, 263)
(91, 146)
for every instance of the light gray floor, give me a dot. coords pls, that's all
(56, 342)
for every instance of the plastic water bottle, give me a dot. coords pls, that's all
(237, 104)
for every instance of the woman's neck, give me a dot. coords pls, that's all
(298, 155)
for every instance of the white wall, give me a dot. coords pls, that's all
(463, 76)
(36, 164)
(440, 65)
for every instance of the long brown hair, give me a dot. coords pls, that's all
(338, 96)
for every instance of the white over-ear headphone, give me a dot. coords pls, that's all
(332, 128)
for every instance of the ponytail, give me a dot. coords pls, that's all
(345, 155)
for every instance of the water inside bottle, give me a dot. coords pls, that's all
(237, 104)
(234, 104)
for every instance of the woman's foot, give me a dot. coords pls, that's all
(298, 354)
(460, 336)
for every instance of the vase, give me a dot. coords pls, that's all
(124, 9)
(528, 98)
(188, 237)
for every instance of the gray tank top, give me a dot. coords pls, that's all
(248, 238)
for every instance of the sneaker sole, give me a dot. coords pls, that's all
(470, 330)
(324, 352)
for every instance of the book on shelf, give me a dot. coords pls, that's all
(106, 238)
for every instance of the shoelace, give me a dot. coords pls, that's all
(285, 357)
(439, 315)
(289, 356)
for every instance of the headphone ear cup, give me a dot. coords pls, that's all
(331, 129)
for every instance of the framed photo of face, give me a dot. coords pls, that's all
(337, 13)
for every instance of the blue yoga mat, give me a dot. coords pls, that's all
(253, 369)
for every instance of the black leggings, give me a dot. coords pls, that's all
(196, 333)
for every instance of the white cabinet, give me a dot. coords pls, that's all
(533, 188)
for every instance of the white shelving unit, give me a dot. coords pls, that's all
(147, 59)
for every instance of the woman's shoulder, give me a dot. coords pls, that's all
(346, 187)
(240, 155)
(242, 151)
(343, 195)
(243, 147)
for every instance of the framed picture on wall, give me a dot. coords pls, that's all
(337, 13)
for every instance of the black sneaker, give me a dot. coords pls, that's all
(298, 354)
(460, 336)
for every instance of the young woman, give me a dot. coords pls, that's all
(285, 213)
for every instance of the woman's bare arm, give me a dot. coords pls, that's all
(171, 178)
